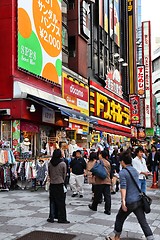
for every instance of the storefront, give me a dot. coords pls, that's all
(76, 93)
(30, 117)
(112, 114)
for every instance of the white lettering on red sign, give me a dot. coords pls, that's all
(140, 81)
(76, 91)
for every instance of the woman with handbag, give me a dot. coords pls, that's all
(102, 186)
(130, 199)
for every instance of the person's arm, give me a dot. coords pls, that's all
(123, 186)
(123, 199)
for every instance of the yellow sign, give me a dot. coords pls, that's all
(106, 108)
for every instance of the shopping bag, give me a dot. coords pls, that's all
(99, 170)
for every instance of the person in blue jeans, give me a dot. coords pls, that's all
(139, 163)
(130, 200)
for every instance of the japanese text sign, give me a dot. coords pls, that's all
(40, 38)
(141, 81)
(106, 108)
(135, 109)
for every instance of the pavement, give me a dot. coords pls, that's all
(23, 211)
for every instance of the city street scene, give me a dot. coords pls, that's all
(79, 120)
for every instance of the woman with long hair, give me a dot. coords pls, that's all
(57, 173)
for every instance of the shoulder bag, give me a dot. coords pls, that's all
(146, 200)
(99, 170)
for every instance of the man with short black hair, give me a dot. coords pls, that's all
(130, 199)
(77, 170)
(139, 163)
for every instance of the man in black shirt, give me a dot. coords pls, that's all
(77, 170)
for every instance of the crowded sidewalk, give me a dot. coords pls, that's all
(23, 211)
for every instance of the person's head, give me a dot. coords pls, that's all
(93, 156)
(125, 159)
(153, 149)
(56, 157)
(74, 154)
(139, 152)
(103, 154)
(78, 153)
(57, 153)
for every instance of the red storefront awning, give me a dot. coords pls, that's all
(112, 131)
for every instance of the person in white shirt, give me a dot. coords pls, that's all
(139, 163)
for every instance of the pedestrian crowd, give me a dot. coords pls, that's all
(120, 167)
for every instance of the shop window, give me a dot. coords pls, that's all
(6, 133)
(71, 134)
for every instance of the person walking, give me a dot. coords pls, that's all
(153, 160)
(130, 200)
(77, 171)
(139, 163)
(90, 163)
(102, 186)
(57, 173)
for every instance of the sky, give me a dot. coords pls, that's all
(151, 12)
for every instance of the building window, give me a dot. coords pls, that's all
(71, 4)
(72, 46)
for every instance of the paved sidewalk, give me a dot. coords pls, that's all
(23, 211)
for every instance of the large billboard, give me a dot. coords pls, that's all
(40, 38)
(146, 57)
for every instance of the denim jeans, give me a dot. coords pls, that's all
(121, 217)
(142, 185)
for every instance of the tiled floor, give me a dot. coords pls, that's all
(24, 211)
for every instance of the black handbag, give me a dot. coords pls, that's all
(99, 170)
(146, 200)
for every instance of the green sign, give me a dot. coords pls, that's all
(149, 132)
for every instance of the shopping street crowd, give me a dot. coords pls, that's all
(118, 166)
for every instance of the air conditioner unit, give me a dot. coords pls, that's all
(5, 111)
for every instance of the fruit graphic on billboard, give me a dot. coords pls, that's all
(40, 38)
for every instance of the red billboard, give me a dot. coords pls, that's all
(76, 95)
(141, 81)
(135, 109)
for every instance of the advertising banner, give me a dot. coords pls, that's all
(76, 95)
(111, 18)
(135, 109)
(40, 38)
(131, 52)
(114, 82)
(117, 22)
(142, 114)
(101, 13)
(146, 57)
(141, 133)
(106, 16)
(141, 81)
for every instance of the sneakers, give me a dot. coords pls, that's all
(74, 194)
(93, 209)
